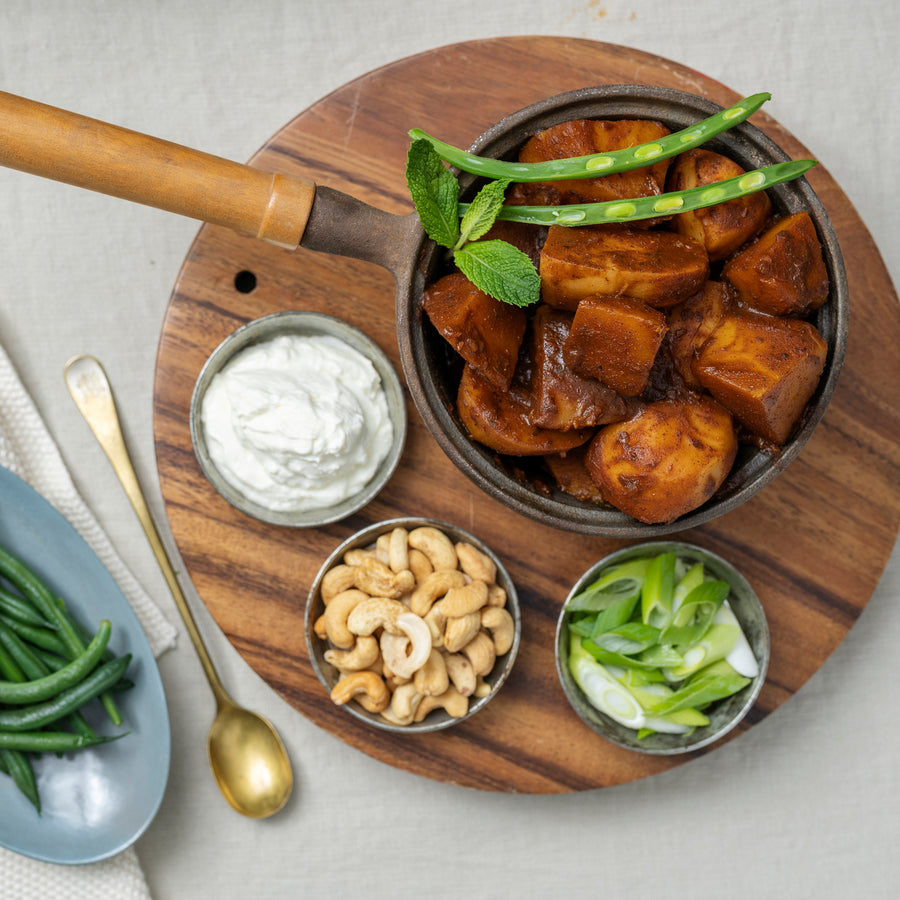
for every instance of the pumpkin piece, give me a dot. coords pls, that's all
(725, 227)
(583, 137)
(665, 460)
(659, 267)
(691, 323)
(615, 340)
(782, 272)
(564, 400)
(763, 369)
(572, 476)
(485, 332)
(499, 419)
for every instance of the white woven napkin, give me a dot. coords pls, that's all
(28, 450)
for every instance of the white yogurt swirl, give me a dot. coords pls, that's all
(297, 423)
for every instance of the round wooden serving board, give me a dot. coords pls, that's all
(813, 544)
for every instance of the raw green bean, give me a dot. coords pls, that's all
(50, 741)
(27, 660)
(42, 638)
(37, 715)
(15, 763)
(50, 685)
(17, 572)
(638, 208)
(9, 668)
(595, 164)
(19, 608)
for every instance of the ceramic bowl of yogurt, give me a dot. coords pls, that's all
(298, 419)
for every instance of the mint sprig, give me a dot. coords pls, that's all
(495, 267)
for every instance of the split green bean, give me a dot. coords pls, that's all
(596, 164)
(638, 208)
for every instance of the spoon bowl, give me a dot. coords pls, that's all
(247, 757)
(248, 761)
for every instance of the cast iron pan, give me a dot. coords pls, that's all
(291, 212)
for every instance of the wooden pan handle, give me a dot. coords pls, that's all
(74, 149)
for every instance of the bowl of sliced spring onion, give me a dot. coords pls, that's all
(662, 647)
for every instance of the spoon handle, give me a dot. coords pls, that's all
(90, 389)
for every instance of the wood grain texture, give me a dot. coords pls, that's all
(814, 543)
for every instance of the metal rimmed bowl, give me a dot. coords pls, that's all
(724, 715)
(438, 719)
(305, 324)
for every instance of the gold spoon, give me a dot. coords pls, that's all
(246, 755)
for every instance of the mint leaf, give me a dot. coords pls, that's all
(435, 192)
(482, 211)
(501, 270)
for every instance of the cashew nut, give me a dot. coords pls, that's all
(366, 688)
(480, 652)
(372, 613)
(319, 628)
(436, 622)
(361, 656)
(433, 677)
(460, 601)
(419, 564)
(405, 654)
(482, 688)
(496, 595)
(356, 555)
(475, 564)
(451, 700)
(335, 580)
(434, 585)
(398, 550)
(404, 703)
(382, 548)
(459, 631)
(377, 580)
(501, 627)
(460, 672)
(435, 545)
(336, 614)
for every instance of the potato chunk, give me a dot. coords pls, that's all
(665, 460)
(658, 267)
(782, 272)
(564, 400)
(691, 323)
(499, 419)
(762, 369)
(572, 475)
(615, 340)
(486, 333)
(582, 137)
(725, 227)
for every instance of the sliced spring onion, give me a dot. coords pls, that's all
(656, 594)
(602, 690)
(595, 164)
(741, 656)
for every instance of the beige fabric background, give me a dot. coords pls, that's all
(805, 805)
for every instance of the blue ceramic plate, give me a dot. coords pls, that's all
(96, 802)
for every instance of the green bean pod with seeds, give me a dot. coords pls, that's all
(596, 164)
(638, 208)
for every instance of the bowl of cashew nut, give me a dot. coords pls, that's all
(412, 625)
